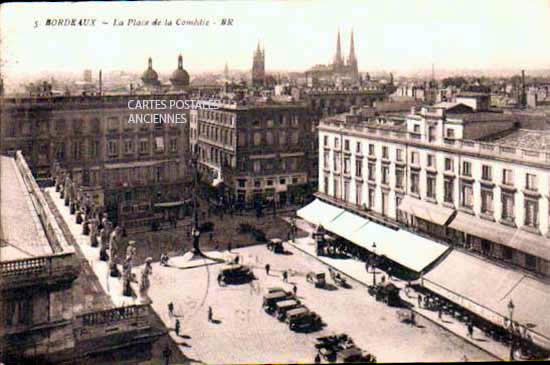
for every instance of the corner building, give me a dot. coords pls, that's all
(471, 178)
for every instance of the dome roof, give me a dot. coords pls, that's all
(180, 77)
(150, 76)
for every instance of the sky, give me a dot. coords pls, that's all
(391, 35)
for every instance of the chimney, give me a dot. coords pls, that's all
(100, 84)
(523, 96)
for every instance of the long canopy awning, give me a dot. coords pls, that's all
(486, 289)
(407, 249)
(345, 224)
(319, 212)
(426, 211)
(515, 238)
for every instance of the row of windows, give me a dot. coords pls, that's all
(223, 117)
(259, 138)
(269, 182)
(218, 134)
(282, 120)
(143, 146)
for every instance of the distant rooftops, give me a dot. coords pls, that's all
(526, 139)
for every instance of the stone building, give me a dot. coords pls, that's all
(260, 151)
(117, 148)
(470, 178)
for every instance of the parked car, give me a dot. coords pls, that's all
(235, 274)
(276, 245)
(300, 319)
(270, 299)
(318, 279)
(282, 307)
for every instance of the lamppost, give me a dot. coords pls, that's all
(195, 232)
(511, 312)
(374, 264)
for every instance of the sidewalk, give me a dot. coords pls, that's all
(356, 270)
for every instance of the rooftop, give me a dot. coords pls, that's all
(528, 139)
(21, 232)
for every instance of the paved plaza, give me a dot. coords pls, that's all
(244, 333)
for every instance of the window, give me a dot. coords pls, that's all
(385, 152)
(507, 207)
(326, 160)
(269, 137)
(143, 146)
(449, 164)
(486, 173)
(256, 166)
(358, 147)
(507, 177)
(399, 155)
(336, 166)
(466, 196)
(346, 144)
(531, 182)
(448, 187)
(336, 142)
(416, 128)
(258, 139)
(295, 137)
(371, 198)
(371, 171)
(77, 150)
(326, 185)
(336, 189)
(112, 148)
(347, 165)
(173, 145)
(531, 213)
(507, 253)
(399, 175)
(294, 164)
(466, 168)
(159, 144)
(431, 161)
(486, 201)
(431, 134)
(530, 261)
(414, 183)
(371, 149)
(430, 186)
(414, 158)
(113, 124)
(385, 175)
(282, 138)
(128, 146)
(450, 133)
(94, 149)
(359, 167)
(358, 193)
(346, 190)
(325, 141)
(282, 181)
(295, 180)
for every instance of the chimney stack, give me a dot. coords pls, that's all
(100, 84)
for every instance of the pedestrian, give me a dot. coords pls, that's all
(413, 318)
(285, 276)
(210, 315)
(439, 313)
(177, 327)
(419, 301)
(267, 267)
(389, 272)
(294, 289)
(470, 330)
(171, 309)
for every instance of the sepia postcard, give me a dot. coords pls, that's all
(274, 182)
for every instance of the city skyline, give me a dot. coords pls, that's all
(392, 36)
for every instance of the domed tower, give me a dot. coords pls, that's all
(180, 77)
(150, 76)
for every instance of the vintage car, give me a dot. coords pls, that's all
(235, 274)
(301, 319)
(329, 346)
(282, 307)
(276, 245)
(318, 279)
(338, 279)
(353, 355)
(387, 293)
(270, 299)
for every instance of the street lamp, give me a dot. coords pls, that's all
(374, 264)
(511, 312)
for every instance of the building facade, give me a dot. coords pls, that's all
(434, 174)
(259, 151)
(115, 148)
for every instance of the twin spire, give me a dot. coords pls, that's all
(338, 59)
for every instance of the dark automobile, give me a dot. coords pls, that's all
(276, 245)
(235, 274)
(282, 307)
(301, 319)
(270, 299)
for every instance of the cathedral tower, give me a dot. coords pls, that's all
(258, 67)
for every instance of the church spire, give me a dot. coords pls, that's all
(351, 50)
(150, 62)
(180, 62)
(338, 57)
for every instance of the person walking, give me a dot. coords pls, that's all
(419, 301)
(285, 276)
(294, 289)
(470, 330)
(210, 315)
(439, 313)
(267, 267)
(177, 327)
(413, 318)
(171, 309)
